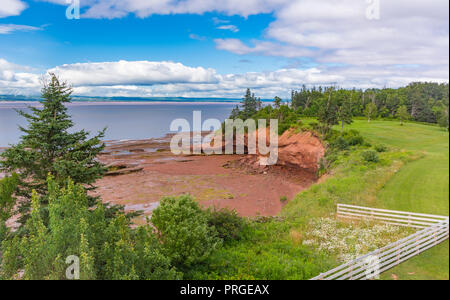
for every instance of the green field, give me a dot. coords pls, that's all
(420, 186)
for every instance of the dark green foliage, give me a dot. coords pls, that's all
(370, 156)
(353, 137)
(250, 105)
(381, 148)
(8, 185)
(184, 231)
(327, 114)
(339, 144)
(277, 102)
(424, 101)
(286, 116)
(107, 248)
(345, 107)
(48, 147)
(228, 224)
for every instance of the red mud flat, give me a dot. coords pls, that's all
(142, 172)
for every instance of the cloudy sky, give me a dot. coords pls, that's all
(208, 48)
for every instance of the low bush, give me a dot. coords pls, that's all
(228, 224)
(381, 148)
(353, 137)
(370, 156)
(184, 231)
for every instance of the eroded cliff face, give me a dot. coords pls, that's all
(298, 153)
(301, 150)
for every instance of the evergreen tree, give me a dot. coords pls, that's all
(345, 108)
(235, 113)
(327, 114)
(277, 102)
(249, 104)
(48, 147)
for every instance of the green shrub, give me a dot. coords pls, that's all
(8, 186)
(184, 231)
(371, 156)
(108, 248)
(283, 199)
(381, 148)
(339, 144)
(228, 224)
(353, 137)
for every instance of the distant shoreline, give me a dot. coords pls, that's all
(14, 103)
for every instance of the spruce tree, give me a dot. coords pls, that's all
(249, 104)
(49, 147)
(345, 108)
(327, 114)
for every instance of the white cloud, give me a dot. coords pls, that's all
(197, 37)
(262, 48)
(408, 32)
(9, 28)
(15, 79)
(231, 28)
(11, 8)
(412, 32)
(155, 79)
(133, 72)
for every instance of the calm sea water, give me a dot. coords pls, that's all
(124, 120)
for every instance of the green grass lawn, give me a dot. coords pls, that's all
(420, 186)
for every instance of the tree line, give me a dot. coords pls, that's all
(419, 101)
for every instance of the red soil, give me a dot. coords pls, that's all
(232, 181)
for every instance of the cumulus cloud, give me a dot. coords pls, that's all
(11, 8)
(157, 79)
(15, 79)
(407, 32)
(110, 9)
(413, 32)
(133, 72)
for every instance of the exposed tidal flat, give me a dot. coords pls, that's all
(123, 119)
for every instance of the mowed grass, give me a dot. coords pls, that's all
(420, 186)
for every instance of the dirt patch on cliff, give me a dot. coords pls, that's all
(232, 181)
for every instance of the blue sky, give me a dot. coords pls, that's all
(211, 48)
(185, 38)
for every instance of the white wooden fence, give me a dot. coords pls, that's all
(434, 230)
(394, 217)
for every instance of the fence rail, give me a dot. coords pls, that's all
(393, 217)
(376, 262)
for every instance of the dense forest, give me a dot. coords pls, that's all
(421, 102)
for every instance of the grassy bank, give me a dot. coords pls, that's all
(420, 186)
(411, 176)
